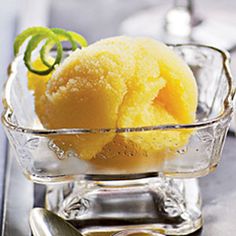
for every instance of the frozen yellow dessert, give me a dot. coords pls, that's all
(118, 82)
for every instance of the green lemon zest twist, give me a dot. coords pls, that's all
(63, 35)
(53, 37)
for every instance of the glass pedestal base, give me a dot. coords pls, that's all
(168, 206)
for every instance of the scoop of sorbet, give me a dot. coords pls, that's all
(117, 83)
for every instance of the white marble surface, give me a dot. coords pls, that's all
(18, 201)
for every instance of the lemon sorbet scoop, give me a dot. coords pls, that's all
(119, 82)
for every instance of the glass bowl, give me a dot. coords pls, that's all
(124, 184)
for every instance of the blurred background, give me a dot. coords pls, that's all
(202, 21)
(174, 21)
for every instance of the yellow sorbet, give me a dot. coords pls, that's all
(117, 83)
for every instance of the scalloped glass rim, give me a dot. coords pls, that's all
(227, 111)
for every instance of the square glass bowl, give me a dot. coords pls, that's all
(124, 186)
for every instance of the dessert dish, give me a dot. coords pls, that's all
(122, 127)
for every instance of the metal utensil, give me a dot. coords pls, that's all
(46, 223)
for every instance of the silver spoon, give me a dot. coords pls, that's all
(46, 223)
